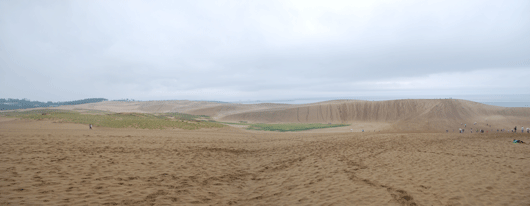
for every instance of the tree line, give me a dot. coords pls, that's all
(9, 103)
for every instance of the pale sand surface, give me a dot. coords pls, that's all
(46, 163)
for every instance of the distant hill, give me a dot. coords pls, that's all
(394, 115)
(414, 115)
(10, 104)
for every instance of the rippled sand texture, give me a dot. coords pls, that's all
(45, 163)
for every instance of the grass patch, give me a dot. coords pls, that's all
(182, 116)
(119, 120)
(235, 123)
(290, 127)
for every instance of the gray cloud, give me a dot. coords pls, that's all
(234, 50)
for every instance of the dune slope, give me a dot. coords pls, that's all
(394, 115)
(403, 114)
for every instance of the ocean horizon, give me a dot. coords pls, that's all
(522, 100)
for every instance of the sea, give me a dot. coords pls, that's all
(522, 100)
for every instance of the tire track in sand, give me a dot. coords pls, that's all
(399, 195)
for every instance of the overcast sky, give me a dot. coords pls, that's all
(262, 50)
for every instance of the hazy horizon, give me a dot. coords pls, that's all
(262, 50)
(519, 100)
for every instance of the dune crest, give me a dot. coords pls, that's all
(412, 114)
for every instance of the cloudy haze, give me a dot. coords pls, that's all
(262, 50)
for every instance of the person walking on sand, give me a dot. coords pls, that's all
(515, 129)
(90, 126)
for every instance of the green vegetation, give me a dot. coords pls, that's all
(290, 127)
(239, 123)
(182, 116)
(119, 120)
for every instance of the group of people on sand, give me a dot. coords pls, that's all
(514, 130)
(362, 130)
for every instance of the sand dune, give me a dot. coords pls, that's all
(218, 112)
(46, 163)
(390, 116)
(404, 115)
(330, 111)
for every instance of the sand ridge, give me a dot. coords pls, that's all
(406, 115)
(403, 115)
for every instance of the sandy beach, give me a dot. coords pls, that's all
(47, 163)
